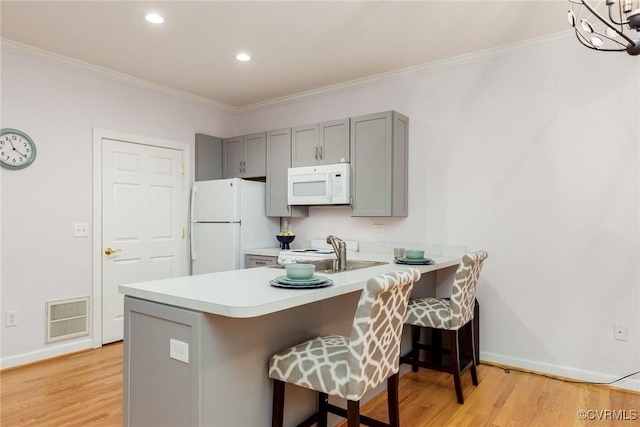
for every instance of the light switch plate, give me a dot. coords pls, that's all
(179, 350)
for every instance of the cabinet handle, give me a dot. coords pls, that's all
(261, 263)
(315, 154)
(240, 167)
(320, 151)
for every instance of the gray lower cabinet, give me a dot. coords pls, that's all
(208, 156)
(379, 161)
(278, 161)
(254, 261)
(244, 156)
(160, 390)
(322, 143)
(222, 379)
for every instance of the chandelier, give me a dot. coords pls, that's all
(619, 31)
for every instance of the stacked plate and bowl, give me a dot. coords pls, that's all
(301, 276)
(413, 257)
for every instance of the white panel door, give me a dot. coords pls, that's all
(142, 222)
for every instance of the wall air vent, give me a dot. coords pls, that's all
(67, 319)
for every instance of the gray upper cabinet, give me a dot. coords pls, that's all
(244, 156)
(379, 180)
(278, 160)
(323, 143)
(208, 156)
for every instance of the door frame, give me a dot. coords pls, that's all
(98, 136)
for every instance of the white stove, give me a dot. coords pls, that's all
(317, 250)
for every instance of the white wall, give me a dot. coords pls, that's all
(534, 156)
(59, 107)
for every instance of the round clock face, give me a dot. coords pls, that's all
(17, 150)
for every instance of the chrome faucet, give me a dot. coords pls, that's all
(340, 248)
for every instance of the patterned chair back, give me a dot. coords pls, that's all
(465, 284)
(374, 344)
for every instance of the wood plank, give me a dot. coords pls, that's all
(79, 389)
(85, 389)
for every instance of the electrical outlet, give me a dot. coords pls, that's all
(378, 230)
(12, 318)
(81, 230)
(620, 332)
(179, 350)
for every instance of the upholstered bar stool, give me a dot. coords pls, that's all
(448, 315)
(349, 367)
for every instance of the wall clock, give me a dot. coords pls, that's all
(17, 150)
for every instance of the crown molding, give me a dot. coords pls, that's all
(13, 46)
(474, 57)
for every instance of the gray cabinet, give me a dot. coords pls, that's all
(321, 143)
(167, 348)
(278, 160)
(254, 261)
(244, 156)
(379, 183)
(208, 156)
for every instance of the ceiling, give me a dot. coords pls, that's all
(297, 46)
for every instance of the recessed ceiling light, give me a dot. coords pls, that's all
(243, 57)
(154, 18)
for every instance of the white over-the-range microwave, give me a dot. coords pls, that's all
(319, 185)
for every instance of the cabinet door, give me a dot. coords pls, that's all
(371, 160)
(400, 187)
(255, 155)
(278, 160)
(208, 157)
(233, 157)
(334, 142)
(304, 145)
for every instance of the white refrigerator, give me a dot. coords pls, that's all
(228, 216)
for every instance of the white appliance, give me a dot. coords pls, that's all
(319, 185)
(228, 216)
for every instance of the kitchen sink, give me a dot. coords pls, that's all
(326, 265)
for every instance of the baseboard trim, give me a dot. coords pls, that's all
(562, 372)
(44, 354)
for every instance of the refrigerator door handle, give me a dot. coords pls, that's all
(194, 190)
(193, 243)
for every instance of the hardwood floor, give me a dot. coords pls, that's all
(85, 389)
(81, 389)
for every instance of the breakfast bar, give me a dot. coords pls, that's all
(196, 348)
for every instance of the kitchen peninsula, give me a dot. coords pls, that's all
(197, 347)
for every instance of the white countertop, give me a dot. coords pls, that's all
(247, 293)
(264, 251)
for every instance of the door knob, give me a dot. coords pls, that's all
(110, 251)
